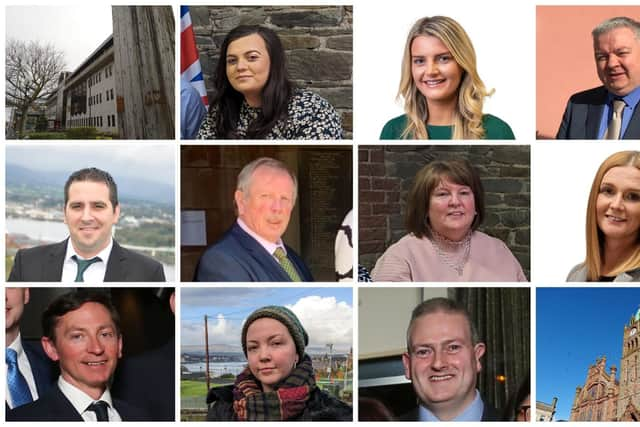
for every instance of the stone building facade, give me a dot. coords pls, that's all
(386, 174)
(318, 41)
(546, 411)
(603, 397)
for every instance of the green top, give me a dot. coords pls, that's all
(494, 128)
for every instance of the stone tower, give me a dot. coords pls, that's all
(629, 391)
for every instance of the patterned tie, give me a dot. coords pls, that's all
(100, 408)
(83, 264)
(287, 265)
(18, 387)
(613, 131)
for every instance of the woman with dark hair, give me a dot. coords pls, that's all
(445, 207)
(254, 98)
(278, 383)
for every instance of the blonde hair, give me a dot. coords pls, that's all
(467, 118)
(595, 237)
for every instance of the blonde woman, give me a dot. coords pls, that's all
(442, 91)
(613, 223)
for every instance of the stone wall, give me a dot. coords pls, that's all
(318, 41)
(386, 174)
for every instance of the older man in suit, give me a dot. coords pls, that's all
(90, 254)
(82, 333)
(609, 111)
(29, 371)
(253, 250)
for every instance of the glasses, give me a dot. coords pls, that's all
(524, 413)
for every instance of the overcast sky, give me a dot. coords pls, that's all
(153, 162)
(76, 30)
(325, 313)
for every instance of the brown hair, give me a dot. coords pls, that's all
(595, 237)
(459, 171)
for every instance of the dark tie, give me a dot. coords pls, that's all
(615, 125)
(100, 408)
(18, 387)
(83, 264)
(287, 265)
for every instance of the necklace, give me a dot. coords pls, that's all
(456, 258)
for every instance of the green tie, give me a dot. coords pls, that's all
(83, 264)
(287, 265)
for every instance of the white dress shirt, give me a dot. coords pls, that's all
(94, 273)
(25, 369)
(81, 401)
(267, 245)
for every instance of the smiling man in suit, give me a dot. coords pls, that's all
(90, 254)
(82, 333)
(609, 111)
(29, 370)
(253, 250)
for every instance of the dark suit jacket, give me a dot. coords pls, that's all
(44, 264)
(581, 119)
(238, 257)
(148, 381)
(488, 414)
(54, 406)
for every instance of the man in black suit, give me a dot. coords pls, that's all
(609, 111)
(82, 333)
(442, 361)
(89, 254)
(253, 250)
(30, 373)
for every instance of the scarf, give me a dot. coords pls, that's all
(287, 400)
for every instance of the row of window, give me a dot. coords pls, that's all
(97, 77)
(95, 99)
(93, 121)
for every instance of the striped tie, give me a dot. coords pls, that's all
(287, 265)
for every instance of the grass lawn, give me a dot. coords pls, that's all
(192, 388)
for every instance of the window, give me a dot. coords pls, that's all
(113, 120)
(111, 93)
(100, 98)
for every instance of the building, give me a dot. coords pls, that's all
(546, 411)
(89, 93)
(55, 103)
(603, 397)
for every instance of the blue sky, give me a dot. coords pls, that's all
(574, 327)
(326, 314)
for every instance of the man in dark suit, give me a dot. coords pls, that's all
(30, 373)
(90, 254)
(442, 361)
(82, 333)
(609, 111)
(253, 250)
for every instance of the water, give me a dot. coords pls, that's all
(53, 231)
(216, 369)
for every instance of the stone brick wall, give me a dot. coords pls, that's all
(318, 41)
(386, 174)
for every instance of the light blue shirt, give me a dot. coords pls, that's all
(631, 100)
(192, 110)
(473, 412)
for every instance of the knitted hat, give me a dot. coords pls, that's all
(284, 316)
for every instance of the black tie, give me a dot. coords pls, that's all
(100, 408)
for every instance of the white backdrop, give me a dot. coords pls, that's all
(502, 33)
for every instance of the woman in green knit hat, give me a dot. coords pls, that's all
(278, 383)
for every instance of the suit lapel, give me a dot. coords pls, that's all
(115, 271)
(633, 129)
(594, 116)
(260, 255)
(62, 407)
(55, 261)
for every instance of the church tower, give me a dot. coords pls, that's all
(629, 397)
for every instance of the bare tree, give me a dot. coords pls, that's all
(32, 72)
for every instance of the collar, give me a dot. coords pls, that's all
(631, 99)
(103, 254)
(78, 398)
(267, 245)
(473, 412)
(17, 345)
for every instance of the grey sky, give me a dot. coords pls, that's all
(153, 162)
(76, 30)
